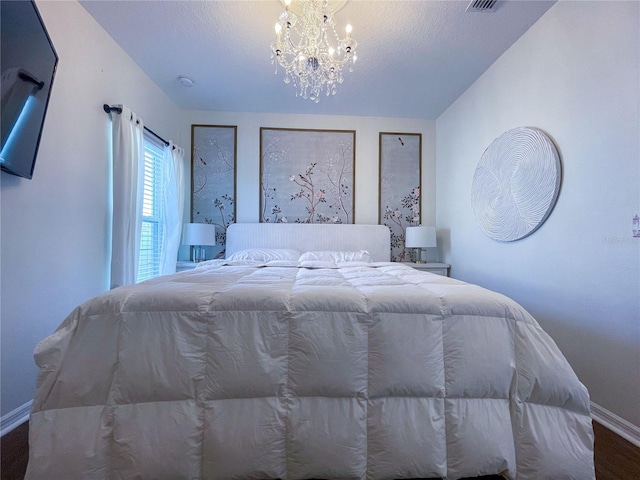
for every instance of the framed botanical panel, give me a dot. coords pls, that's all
(307, 176)
(213, 179)
(400, 183)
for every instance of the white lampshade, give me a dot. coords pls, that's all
(198, 234)
(420, 237)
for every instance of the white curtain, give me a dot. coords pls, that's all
(173, 164)
(128, 176)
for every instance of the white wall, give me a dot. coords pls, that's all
(576, 75)
(367, 131)
(55, 227)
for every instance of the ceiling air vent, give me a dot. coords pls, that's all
(482, 6)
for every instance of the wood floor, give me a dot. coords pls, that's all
(15, 453)
(616, 459)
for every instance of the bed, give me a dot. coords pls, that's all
(305, 354)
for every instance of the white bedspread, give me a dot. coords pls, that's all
(247, 372)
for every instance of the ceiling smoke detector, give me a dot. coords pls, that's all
(482, 6)
(186, 81)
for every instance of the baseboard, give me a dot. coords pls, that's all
(15, 418)
(613, 422)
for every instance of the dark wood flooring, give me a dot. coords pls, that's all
(616, 458)
(14, 447)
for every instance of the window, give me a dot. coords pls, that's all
(152, 208)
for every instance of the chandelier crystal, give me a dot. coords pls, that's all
(303, 47)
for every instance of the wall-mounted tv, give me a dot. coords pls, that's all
(28, 66)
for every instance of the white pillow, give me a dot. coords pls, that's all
(266, 254)
(353, 264)
(317, 264)
(282, 263)
(336, 256)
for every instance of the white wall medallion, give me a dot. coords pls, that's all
(516, 184)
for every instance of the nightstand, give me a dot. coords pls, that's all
(438, 268)
(182, 266)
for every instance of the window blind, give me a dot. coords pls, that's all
(152, 224)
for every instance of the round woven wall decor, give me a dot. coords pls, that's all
(516, 184)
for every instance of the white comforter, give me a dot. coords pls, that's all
(358, 372)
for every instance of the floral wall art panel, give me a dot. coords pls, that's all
(400, 182)
(307, 176)
(213, 180)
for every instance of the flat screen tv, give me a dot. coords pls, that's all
(28, 66)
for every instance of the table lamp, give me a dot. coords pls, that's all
(198, 236)
(420, 237)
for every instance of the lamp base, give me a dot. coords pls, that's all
(417, 255)
(197, 253)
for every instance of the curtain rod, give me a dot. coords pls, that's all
(109, 109)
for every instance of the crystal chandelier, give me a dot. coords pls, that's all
(303, 49)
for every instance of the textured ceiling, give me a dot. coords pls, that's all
(414, 57)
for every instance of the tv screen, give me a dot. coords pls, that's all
(28, 66)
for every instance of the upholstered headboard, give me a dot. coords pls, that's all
(309, 237)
